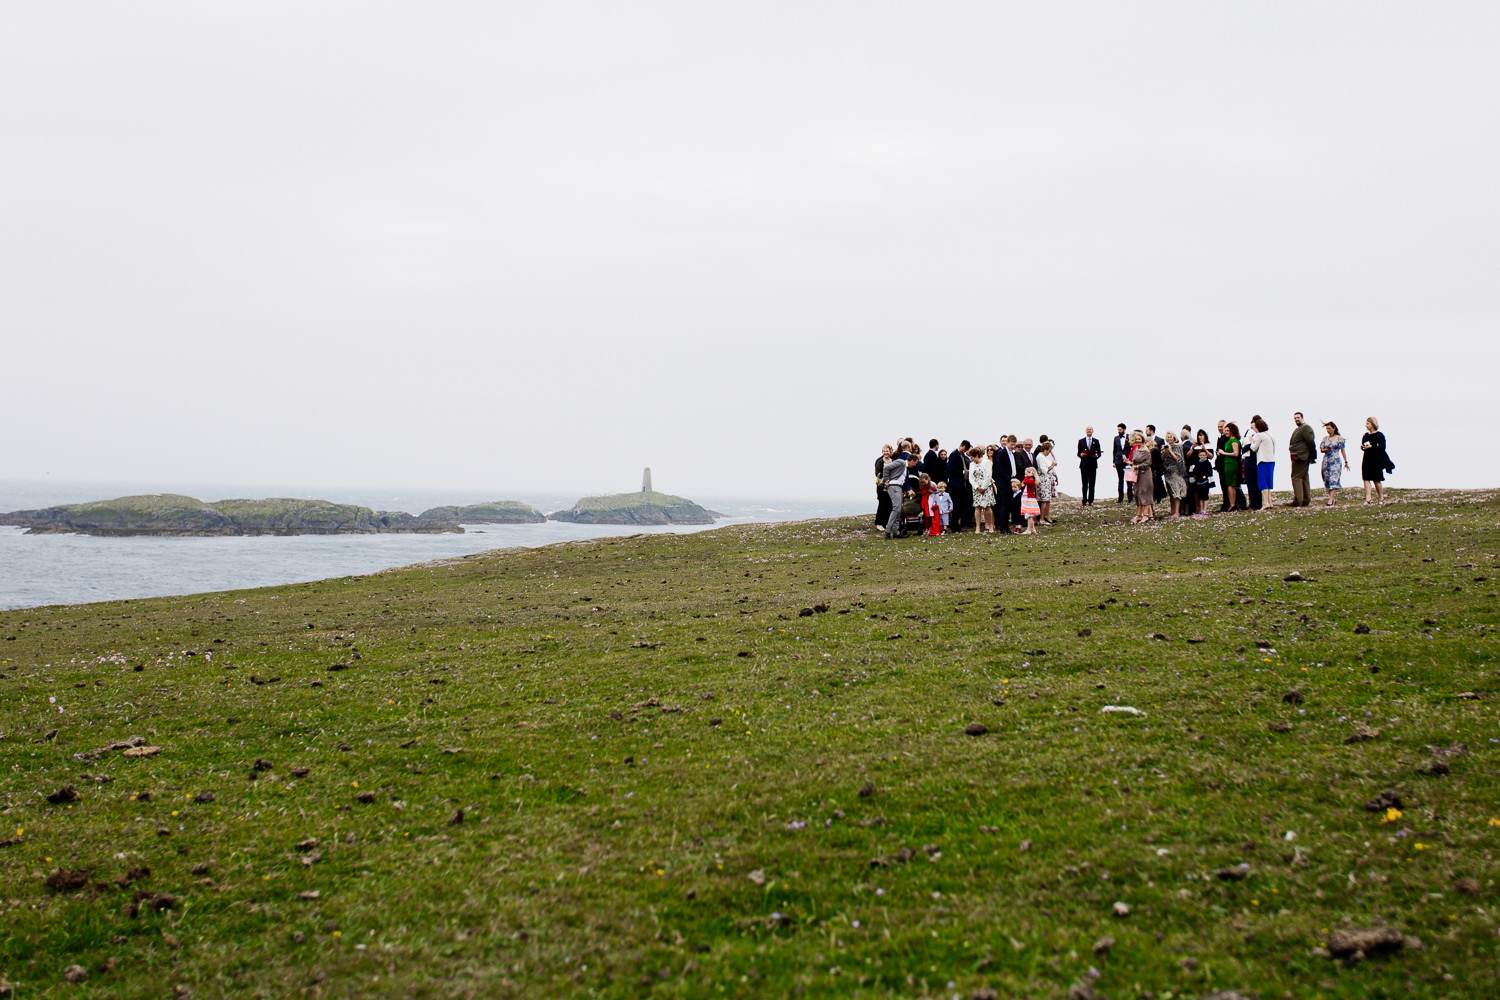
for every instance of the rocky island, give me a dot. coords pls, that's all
(644, 508)
(174, 515)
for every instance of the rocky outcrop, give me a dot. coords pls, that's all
(645, 508)
(494, 512)
(170, 514)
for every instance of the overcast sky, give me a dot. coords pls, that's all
(536, 247)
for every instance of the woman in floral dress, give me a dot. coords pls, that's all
(1046, 481)
(983, 485)
(1334, 459)
(1174, 473)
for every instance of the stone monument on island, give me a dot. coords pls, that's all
(646, 481)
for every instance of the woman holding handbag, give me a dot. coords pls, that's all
(1374, 464)
(1141, 456)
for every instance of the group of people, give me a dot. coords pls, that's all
(1010, 486)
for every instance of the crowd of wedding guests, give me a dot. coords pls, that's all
(1010, 486)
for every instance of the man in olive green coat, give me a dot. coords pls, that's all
(1304, 449)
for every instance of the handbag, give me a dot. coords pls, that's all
(1130, 473)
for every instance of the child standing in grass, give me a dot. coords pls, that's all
(943, 505)
(1031, 508)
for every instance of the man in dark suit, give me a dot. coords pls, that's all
(1021, 460)
(959, 488)
(1004, 470)
(1089, 450)
(936, 468)
(1121, 456)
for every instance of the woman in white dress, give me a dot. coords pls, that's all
(1046, 481)
(983, 484)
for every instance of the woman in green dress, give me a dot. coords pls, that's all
(1230, 453)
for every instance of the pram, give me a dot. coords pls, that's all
(912, 518)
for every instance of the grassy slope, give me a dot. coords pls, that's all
(575, 872)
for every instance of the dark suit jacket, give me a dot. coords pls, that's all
(936, 470)
(1004, 470)
(1088, 455)
(1022, 462)
(1121, 450)
(958, 473)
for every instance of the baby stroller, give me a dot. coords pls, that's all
(912, 518)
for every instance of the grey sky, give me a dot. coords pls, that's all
(537, 247)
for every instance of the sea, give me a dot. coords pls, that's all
(77, 569)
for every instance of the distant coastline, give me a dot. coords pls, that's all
(174, 515)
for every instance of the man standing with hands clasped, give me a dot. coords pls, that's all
(1089, 451)
(1121, 456)
(1304, 449)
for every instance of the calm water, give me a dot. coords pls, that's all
(73, 569)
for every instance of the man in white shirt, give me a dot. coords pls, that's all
(1089, 451)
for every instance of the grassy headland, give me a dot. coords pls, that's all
(655, 766)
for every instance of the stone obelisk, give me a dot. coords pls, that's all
(646, 481)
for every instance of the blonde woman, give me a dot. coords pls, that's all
(1174, 473)
(1140, 459)
(1375, 462)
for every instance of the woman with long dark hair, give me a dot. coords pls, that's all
(1230, 453)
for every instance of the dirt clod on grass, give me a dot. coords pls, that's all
(1293, 697)
(1387, 799)
(67, 793)
(125, 744)
(1448, 752)
(163, 901)
(1360, 943)
(1103, 945)
(1362, 733)
(868, 790)
(365, 797)
(976, 729)
(1120, 909)
(204, 797)
(134, 874)
(1467, 885)
(143, 751)
(300, 772)
(261, 764)
(1234, 873)
(75, 973)
(67, 880)
(1280, 726)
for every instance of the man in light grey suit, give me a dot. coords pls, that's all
(893, 475)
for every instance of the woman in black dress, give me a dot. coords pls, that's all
(1372, 466)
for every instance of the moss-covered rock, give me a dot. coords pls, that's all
(635, 508)
(149, 514)
(176, 515)
(494, 512)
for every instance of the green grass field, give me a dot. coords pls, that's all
(638, 767)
